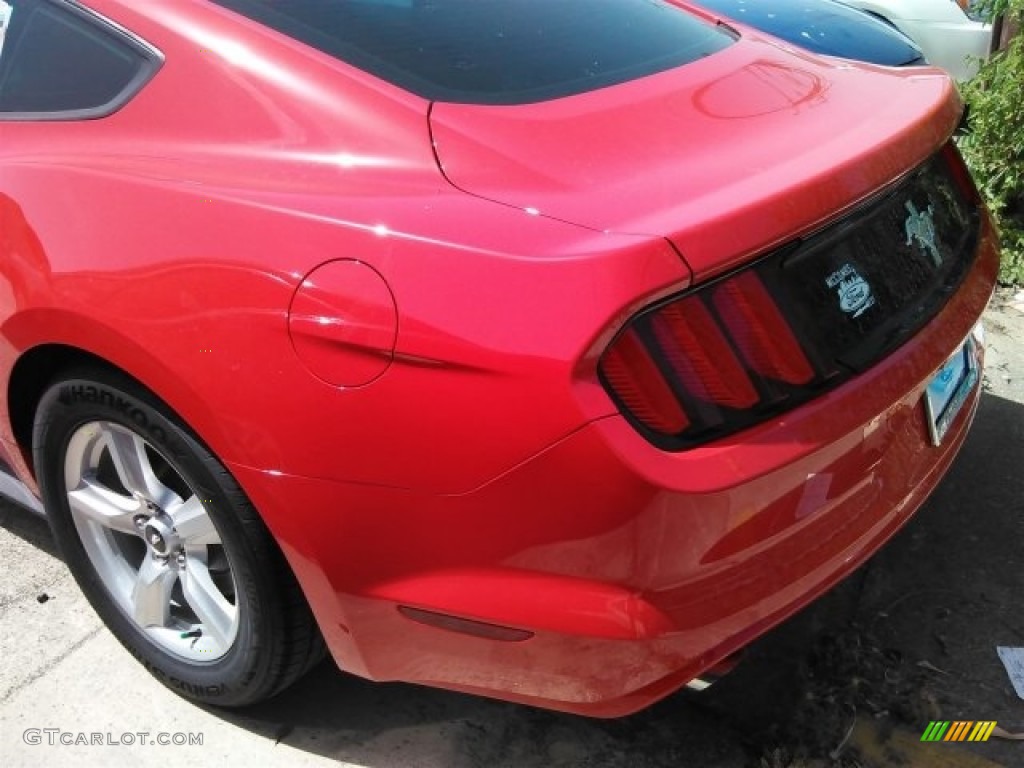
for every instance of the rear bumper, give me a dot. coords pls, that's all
(630, 570)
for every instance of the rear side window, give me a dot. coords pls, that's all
(495, 51)
(59, 61)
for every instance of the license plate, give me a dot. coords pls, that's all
(948, 390)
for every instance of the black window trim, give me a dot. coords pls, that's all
(152, 60)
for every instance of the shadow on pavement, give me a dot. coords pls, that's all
(911, 636)
(382, 725)
(28, 526)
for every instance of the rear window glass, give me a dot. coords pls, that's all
(495, 51)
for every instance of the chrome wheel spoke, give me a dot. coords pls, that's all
(100, 505)
(193, 525)
(215, 613)
(133, 467)
(151, 595)
(171, 577)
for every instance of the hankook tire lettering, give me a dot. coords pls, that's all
(89, 393)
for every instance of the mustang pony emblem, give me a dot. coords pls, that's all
(921, 227)
(854, 291)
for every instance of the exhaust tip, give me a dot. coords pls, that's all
(714, 673)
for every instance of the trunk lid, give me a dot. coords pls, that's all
(726, 157)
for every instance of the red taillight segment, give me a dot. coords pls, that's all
(704, 363)
(635, 378)
(760, 331)
(700, 356)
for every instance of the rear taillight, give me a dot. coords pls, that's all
(762, 335)
(634, 376)
(700, 356)
(702, 365)
(801, 319)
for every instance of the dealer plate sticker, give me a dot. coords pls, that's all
(948, 390)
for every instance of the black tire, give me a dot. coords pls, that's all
(266, 636)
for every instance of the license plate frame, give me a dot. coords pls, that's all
(948, 389)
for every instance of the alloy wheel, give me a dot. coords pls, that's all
(151, 541)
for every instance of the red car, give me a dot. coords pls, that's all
(546, 350)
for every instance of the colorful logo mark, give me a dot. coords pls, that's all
(958, 730)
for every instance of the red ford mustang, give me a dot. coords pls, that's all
(546, 350)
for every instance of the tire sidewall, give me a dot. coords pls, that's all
(74, 402)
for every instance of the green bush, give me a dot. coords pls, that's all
(994, 146)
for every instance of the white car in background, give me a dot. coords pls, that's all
(943, 29)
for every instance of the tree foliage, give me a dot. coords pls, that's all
(994, 145)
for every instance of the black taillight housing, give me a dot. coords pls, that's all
(800, 320)
(709, 363)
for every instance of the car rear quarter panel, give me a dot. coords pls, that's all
(169, 239)
(636, 569)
